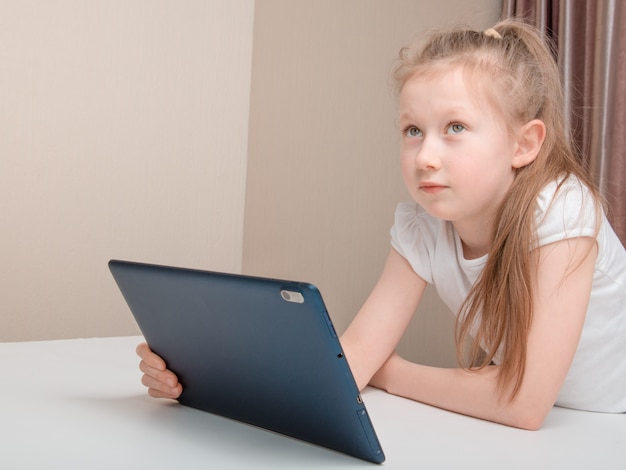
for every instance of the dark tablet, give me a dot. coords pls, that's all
(261, 351)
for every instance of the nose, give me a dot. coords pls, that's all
(427, 156)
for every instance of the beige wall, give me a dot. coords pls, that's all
(124, 133)
(123, 129)
(323, 165)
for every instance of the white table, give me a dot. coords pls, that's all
(79, 404)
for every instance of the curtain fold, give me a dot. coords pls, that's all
(590, 47)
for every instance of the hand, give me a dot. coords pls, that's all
(161, 382)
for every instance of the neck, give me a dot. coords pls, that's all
(476, 239)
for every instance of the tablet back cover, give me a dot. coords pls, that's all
(261, 351)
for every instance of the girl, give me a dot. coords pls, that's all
(508, 227)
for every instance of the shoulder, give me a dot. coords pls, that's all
(411, 222)
(417, 236)
(566, 209)
(568, 191)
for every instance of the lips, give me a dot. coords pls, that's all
(431, 188)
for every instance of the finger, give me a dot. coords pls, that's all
(167, 377)
(158, 394)
(149, 357)
(159, 389)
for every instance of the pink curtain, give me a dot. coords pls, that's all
(590, 40)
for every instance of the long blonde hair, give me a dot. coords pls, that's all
(515, 72)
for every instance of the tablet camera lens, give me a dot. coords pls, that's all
(292, 296)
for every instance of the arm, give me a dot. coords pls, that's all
(562, 288)
(378, 327)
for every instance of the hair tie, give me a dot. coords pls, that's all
(492, 33)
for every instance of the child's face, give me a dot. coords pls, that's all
(456, 155)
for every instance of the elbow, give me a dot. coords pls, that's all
(529, 409)
(529, 423)
(528, 419)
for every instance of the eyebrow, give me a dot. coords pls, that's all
(460, 111)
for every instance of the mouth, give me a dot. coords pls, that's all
(431, 188)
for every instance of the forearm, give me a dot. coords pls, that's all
(470, 393)
(376, 330)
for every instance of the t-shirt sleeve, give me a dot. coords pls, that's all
(566, 212)
(410, 238)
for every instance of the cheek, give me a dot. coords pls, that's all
(484, 181)
(407, 167)
(481, 162)
(404, 160)
(404, 164)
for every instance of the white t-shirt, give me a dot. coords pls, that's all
(596, 380)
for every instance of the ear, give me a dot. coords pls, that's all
(529, 141)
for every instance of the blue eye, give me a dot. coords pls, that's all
(455, 128)
(412, 131)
